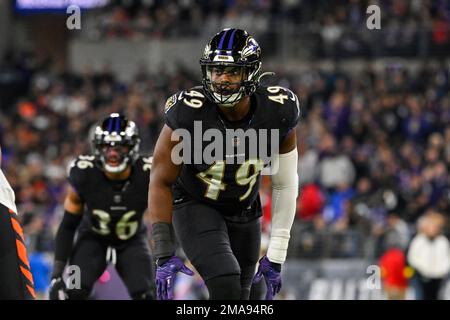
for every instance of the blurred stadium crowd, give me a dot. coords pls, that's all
(374, 145)
(331, 28)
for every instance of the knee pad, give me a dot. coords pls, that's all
(226, 287)
(220, 265)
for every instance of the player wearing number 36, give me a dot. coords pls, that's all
(105, 204)
(213, 207)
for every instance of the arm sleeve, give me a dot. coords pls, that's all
(284, 195)
(64, 241)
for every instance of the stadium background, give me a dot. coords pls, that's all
(374, 138)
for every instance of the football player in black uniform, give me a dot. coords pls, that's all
(105, 203)
(213, 207)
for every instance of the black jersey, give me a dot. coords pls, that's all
(231, 182)
(113, 209)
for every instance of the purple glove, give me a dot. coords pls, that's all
(272, 277)
(165, 277)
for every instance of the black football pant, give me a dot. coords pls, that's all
(224, 253)
(134, 265)
(16, 280)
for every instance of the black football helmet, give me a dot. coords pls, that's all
(231, 48)
(116, 143)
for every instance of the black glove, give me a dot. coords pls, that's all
(58, 289)
(57, 285)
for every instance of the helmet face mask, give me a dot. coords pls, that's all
(241, 53)
(116, 143)
(114, 157)
(228, 92)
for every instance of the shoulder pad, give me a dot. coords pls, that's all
(80, 170)
(144, 163)
(83, 162)
(193, 98)
(281, 95)
(285, 101)
(180, 106)
(171, 102)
